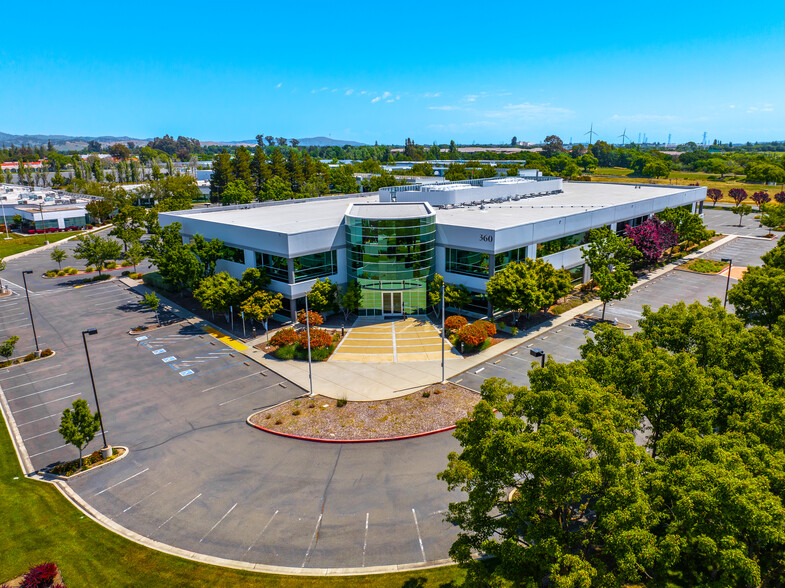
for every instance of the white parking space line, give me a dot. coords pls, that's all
(146, 497)
(41, 435)
(41, 392)
(365, 538)
(259, 536)
(117, 302)
(313, 540)
(419, 537)
(45, 403)
(49, 450)
(190, 502)
(29, 373)
(19, 312)
(229, 382)
(35, 420)
(122, 481)
(36, 381)
(218, 523)
(249, 393)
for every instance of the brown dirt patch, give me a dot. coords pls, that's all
(435, 407)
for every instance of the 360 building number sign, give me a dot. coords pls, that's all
(486, 238)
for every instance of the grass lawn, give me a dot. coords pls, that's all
(40, 525)
(612, 171)
(20, 244)
(705, 266)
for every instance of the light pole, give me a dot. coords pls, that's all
(443, 380)
(537, 352)
(106, 451)
(308, 335)
(30, 308)
(729, 261)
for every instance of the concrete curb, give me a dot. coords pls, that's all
(111, 525)
(317, 440)
(53, 245)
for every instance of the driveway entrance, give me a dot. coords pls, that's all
(374, 340)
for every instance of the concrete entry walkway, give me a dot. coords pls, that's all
(374, 340)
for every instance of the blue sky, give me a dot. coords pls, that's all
(369, 71)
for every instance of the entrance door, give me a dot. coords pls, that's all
(392, 303)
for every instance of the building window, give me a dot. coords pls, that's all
(562, 243)
(274, 266)
(504, 259)
(633, 222)
(478, 304)
(467, 263)
(233, 254)
(77, 221)
(576, 274)
(317, 265)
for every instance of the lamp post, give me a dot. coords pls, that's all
(537, 352)
(106, 451)
(30, 308)
(729, 261)
(308, 335)
(443, 380)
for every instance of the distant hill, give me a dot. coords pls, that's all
(67, 142)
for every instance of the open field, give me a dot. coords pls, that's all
(40, 525)
(21, 244)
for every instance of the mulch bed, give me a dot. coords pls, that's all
(432, 408)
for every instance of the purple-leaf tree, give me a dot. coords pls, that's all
(761, 197)
(739, 195)
(780, 197)
(714, 194)
(652, 238)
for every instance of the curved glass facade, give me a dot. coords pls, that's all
(392, 260)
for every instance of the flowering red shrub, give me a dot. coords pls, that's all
(284, 337)
(488, 326)
(652, 238)
(314, 318)
(455, 322)
(319, 338)
(472, 335)
(40, 576)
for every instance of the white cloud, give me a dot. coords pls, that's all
(349, 92)
(375, 100)
(445, 107)
(388, 101)
(732, 106)
(471, 97)
(363, 91)
(386, 95)
(764, 108)
(432, 94)
(279, 84)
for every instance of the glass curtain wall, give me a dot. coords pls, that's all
(392, 260)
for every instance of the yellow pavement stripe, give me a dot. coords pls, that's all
(225, 339)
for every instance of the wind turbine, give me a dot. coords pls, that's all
(623, 136)
(590, 133)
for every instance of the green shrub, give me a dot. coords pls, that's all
(111, 265)
(72, 271)
(514, 331)
(286, 352)
(46, 352)
(29, 357)
(426, 394)
(136, 276)
(51, 273)
(61, 273)
(341, 402)
(100, 278)
(321, 353)
(126, 273)
(89, 269)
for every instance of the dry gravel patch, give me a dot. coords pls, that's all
(435, 407)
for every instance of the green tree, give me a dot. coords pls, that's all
(277, 189)
(773, 216)
(434, 291)
(208, 252)
(351, 299)
(517, 288)
(262, 305)
(100, 210)
(457, 295)
(135, 254)
(343, 180)
(587, 162)
(79, 426)
(218, 292)
(177, 263)
(129, 224)
(656, 169)
(241, 168)
(171, 193)
(551, 476)
(759, 297)
(222, 175)
(252, 280)
(688, 226)
(151, 301)
(237, 193)
(96, 250)
(58, 256)
(742, 210)
(7, 347)
(323, 296)
(609, 256)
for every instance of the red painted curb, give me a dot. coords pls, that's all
(316, 440)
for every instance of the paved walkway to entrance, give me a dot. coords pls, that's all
(375, 340)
